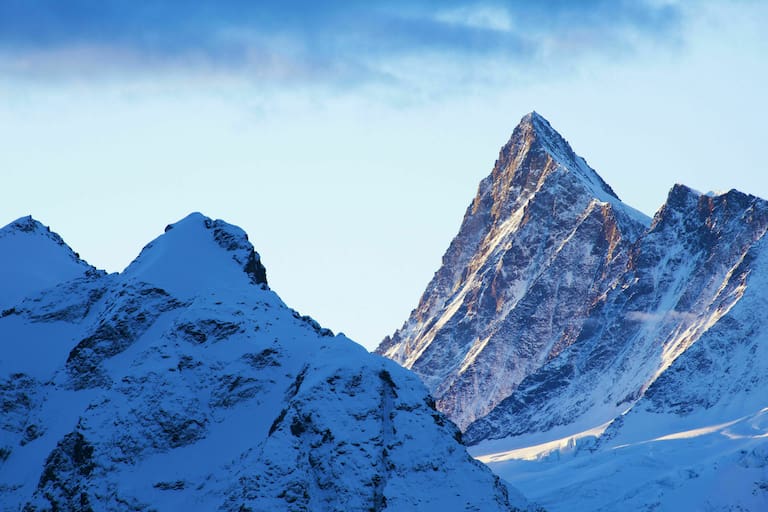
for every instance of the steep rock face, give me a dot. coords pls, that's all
(684, 276)
(184, 383)
(697, 437)
(543, 239)
(597, 361)
(724, 373)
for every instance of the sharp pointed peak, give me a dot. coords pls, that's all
(535, 135)
(533, 117)
(535, 130)
(536, 124)
(526, 159)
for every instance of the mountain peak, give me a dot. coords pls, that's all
(537, 214)
(534, 128)
(195, 253)
(542, 127)
(537, 158)
(29, 224)
(683, 198)
(32, 258)
(535, 125)
(25, 224)
(182, 386)
(535, 144)
(533, 117)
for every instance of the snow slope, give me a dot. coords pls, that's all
(34, 258)
(185, 383)
(697, 439)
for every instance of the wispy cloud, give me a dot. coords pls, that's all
(659, 316)
(305, 41)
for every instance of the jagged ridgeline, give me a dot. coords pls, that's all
(543, 239)
(566, 331)
(185, 383)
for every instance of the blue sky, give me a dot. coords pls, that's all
(347, 138)
(337, 42)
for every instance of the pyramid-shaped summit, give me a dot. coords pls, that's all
(566, 330)
(535, 152)
(539, 240)
(535, 133)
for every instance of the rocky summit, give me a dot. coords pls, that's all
(596, 358)
(185, 383)
(543, 239)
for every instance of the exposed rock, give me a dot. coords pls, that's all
(543, 239)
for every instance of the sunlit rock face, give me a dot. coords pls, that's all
(683, 277)
(185, 383)
(596, 359)
(664, 399)
(542, 241)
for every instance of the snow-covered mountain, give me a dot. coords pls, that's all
(185, 383)
(594, 358)
(683, 277)
(34, 258)
(665, 400)
(544, 238)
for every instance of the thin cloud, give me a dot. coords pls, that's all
(304, 41)
(659, 316)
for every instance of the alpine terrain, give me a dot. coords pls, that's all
(185, 383)
(598, 359)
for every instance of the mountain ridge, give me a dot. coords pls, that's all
(185, 383)
(529, 181)
(564, 332)
(35, 258)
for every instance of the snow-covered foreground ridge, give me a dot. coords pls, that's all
(185, 383)
(597, 359)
